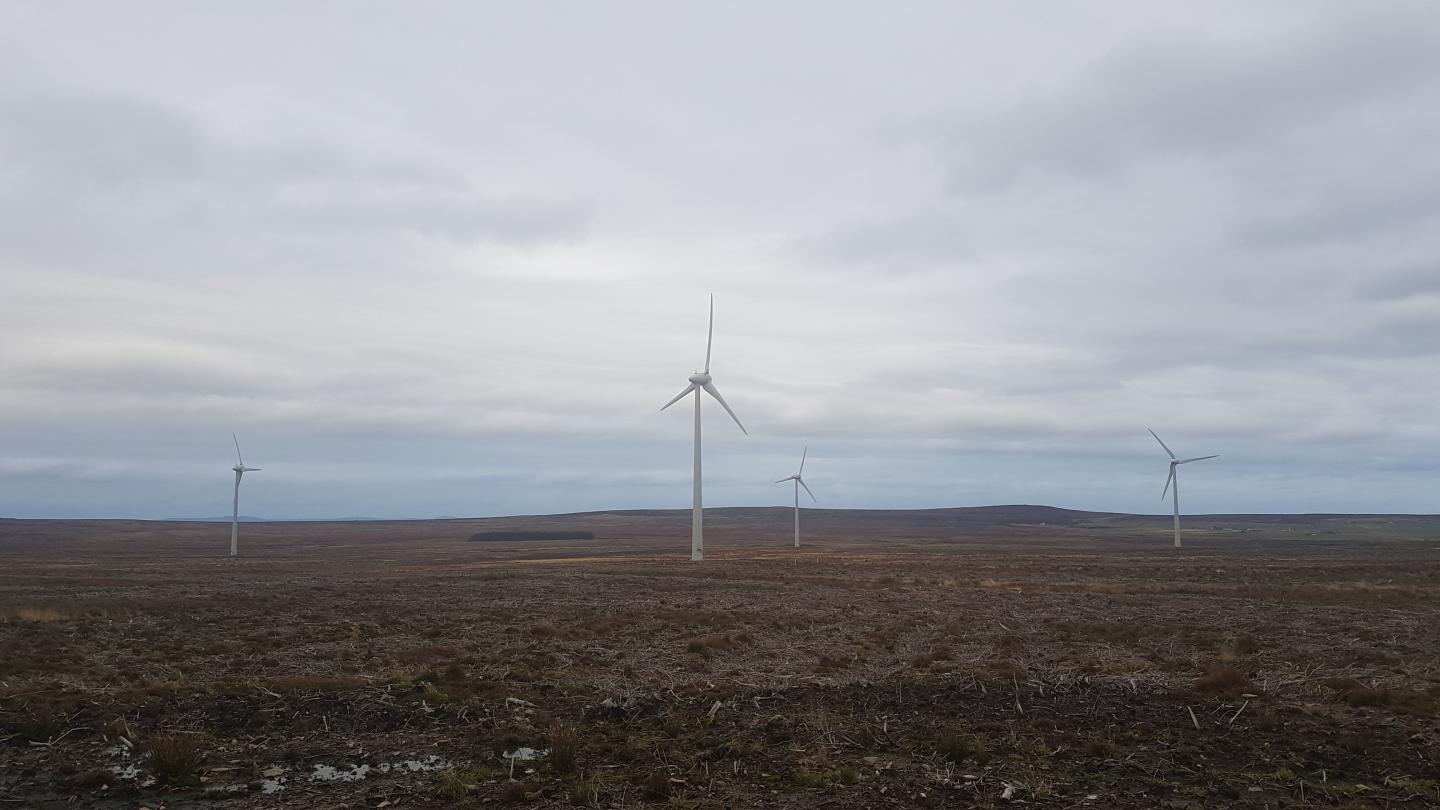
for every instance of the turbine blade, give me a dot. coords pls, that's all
(801, 482)
(715, 392)
(237, 449)
(803, 454)
(710, 335)
(783, 480)
(678, 397)
(252, 469)
(1162, 444)
(1197, 458)
(1168, 479)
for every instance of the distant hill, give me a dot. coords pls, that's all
(224, 519)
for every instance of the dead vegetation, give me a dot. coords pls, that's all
(174, 759)
(1224, 680)
(865, 676)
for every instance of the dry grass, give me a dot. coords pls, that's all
(958, 746)
(37, 722)
(1224, 681)
(585, 791)
(1237, 646)
(519, 792)
(174, 758)
(564, 747)
(705, 646)
(1401, 701)
(67, 611)
(752, 680)
(656, 785)
(456, 783)
(314, 683)
(39, 614)
(427, 654)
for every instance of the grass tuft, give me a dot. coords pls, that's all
(1224, 681)
(958, 746)
(564, 747)
(174, 758)
(585, 791)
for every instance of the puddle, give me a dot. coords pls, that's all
(132, 773)
(524, 754)
(354, 773)
(330, 773)
(430, 763)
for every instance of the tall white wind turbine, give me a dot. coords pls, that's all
(702, 381)
(799, 482)
(1174, 480)
(240, 470)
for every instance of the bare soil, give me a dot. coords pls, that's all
(958, 658)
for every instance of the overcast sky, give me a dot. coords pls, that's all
(449, 258)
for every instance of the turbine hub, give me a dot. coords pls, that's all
(700, 378)
(238, 468)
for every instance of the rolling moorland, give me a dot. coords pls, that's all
(991, 657)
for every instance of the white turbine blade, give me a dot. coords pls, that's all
(252, 469)
(1168, 479)
(1162, 444)
(710, 336)
(678, 396)
(715, 392)
(783, 480)
(1197, 458)
(803, 454)
(239, 457)
(801, 482)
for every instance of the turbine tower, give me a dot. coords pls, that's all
(240, 470)
(700, 381)
(799, 482)
(1175, 480)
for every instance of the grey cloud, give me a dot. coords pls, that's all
(79, 156)
(457, 280)
(904, 244)
(1194, 95)
(1378, 208)
(1396, 285)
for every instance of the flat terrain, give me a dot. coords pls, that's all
(959, 658)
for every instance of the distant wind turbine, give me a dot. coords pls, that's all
(699, 381)
(240, 470)
(799, 482)
(1175, 480)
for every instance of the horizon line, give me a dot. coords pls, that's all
(686, 510)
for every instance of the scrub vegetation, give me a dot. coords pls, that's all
(938, 659)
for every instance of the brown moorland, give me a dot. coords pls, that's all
(957, 657)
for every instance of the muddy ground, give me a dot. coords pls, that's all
(956, 658)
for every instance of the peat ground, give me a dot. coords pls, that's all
(959, 658)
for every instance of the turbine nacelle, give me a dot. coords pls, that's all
(700, 378)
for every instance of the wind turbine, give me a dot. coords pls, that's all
(701, 381)
(240, 470)
(1175, 479)
(799, 482)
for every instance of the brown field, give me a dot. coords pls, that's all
(957, 658)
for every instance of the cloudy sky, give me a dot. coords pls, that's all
(449, 258)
